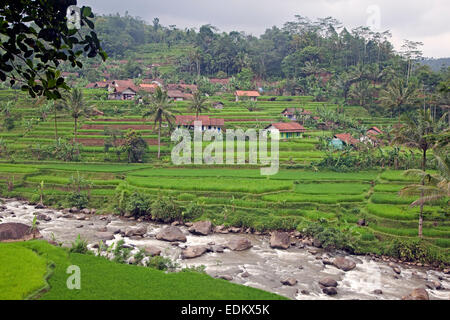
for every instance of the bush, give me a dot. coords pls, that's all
(79, 246)
(192, 211)
(161, 263)
(138, 205)
(330, 237)
(165, 209)
(413, 250)
(78, 200)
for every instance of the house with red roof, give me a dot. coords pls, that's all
(288, 129)
(372, 136)
(207, 123)
(122, 90)
(252, 95)
(346, 138)
(178, 95)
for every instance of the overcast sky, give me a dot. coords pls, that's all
(417, 20)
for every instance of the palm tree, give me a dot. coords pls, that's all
(77, 107)
(198, 103)
(398, 95)
(160, 109)
(432, 187)
(419, 132)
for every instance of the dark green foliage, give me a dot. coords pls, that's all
(37, 34)
(138, 204)
(413, 250)
(161, 263)
(192, 211)
(76, 199)
(165, 209)
(135, 146)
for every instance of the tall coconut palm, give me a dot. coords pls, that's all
(398, 95)
(432, 187)
(77, 107)
(198, 103)
(419, 132)
(160, 109)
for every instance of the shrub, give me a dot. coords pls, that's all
(138, 205)
(121, 254)
(161, 263)
(79, 246)
(165, 209)
(413, 250)
(331, 238)
(79, 200)
(192, 211)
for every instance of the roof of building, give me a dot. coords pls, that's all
(206, 121)
(374, 130)
(178, 94)
(288, 127)
(123, 85)
(346, 138)
(219, 81)
(242, 93)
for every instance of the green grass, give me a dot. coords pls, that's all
(106, 280)
(332, 188)
(22, 271)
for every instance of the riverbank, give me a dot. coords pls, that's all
(259, 266)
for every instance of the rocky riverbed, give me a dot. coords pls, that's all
(298, 272)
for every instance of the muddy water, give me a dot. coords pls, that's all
(266, 267)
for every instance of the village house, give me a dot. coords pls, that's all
(252, 95)
(288, 129)
(208, 123)
(371, 136)
(122, 90)
(290, 113)
(346, 139)
(178, 95)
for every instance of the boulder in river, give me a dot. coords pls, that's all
(331, 291)
(43, 217)
(280, 240)
(152, 251)
(289, 282)
(202, 228)
(193, 252)
(239, 244)
(17, 232)
(171, 233)
(344, 263)
(417, 294)
(328, 282)
(136, 231)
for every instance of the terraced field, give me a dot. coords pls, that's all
(233, 195)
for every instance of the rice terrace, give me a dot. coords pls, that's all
(358, 207)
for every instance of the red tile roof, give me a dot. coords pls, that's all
(347, 138)
(242, 93)
(206, 121)
(374, 130)
(288, 127)
(122, 85)
(219, 81)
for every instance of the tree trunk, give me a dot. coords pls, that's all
(421, 214)
(159, 139)
(424, 164)
(75, 131)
